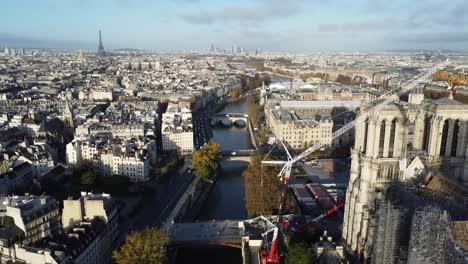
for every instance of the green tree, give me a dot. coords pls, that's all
(298, 253)
(146, 247)
(205, 162)
(87, 178)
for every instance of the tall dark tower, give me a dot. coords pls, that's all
(100, 50)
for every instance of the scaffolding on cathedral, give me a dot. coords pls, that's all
(414, 225)
(429, 236)
(458, 244)
(389, 220)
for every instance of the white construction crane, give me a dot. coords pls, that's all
(389, 96)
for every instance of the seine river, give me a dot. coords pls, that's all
(226, 200)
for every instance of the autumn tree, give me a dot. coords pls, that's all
(343, 79)
(457, 78)
(262, 187)
(306, 75)
(205, 162)
(253, 110)
(147, 246)
(234, 93)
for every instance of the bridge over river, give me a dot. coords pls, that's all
(239, 120)
(241, 155)
(227, 233)
(236, 119)
(215, 233)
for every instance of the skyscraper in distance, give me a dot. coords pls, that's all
(6, 50)
(100, 51)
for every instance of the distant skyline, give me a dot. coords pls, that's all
(276, 25)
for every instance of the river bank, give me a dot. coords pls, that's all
(225, 198)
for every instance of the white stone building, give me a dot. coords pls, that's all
(84, 210)
(177, 129)
(40, 159)
(37, 216)
(130, 159)
(300, 133)
(303, 123)
(90, 232)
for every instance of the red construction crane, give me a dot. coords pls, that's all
(271, 255)
(327, 213)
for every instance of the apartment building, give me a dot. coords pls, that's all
(300, 133)
(177, 129)
(16, 178)
(37, 216)
(307, 121)
(90, 232)
(131, 158)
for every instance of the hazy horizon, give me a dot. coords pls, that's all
(274, 25)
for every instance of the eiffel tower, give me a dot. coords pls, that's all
(100, 50)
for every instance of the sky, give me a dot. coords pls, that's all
(275, 25)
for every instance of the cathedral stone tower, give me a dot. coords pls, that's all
(390, 142)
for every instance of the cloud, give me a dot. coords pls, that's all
(197, 19)
(435, 37)
(362, 26)
(260, 11)
(419, 17)
(33, 42)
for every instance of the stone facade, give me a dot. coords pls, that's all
(436, 132)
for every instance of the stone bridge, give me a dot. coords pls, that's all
(233, 116)
(227, 120)
(227, 233)
(241, 155)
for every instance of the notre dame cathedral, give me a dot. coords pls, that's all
(398, 144)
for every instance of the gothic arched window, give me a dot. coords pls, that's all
(456, 129)
(443, 143)
(366, 127)
(392, 138)
(427, 124)
(382, 138)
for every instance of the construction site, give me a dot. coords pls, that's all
(405, 201)
(421, 223)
